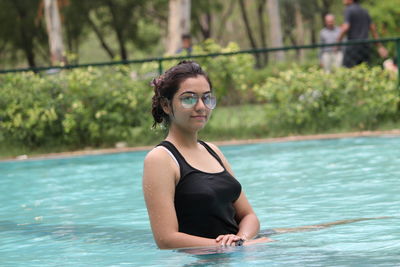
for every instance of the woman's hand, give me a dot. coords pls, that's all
(227, 240)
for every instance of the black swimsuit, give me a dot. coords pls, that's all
(204, 201)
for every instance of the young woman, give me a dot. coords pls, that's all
(192, 196)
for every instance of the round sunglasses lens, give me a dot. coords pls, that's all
(189, 101)
(210, 102)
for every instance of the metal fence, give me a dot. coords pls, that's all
(301, 53)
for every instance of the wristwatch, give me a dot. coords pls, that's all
(239, 242)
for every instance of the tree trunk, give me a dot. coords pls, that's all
(178, 24)
(299, 29)
(119, 30)
(54, 32)
(261, 22)
(313, 31)
(275, 28)
(121, 43)
(26, 42)
(248, 31)
(27, 47)
(101, 38)
(205, 25)
(224, 18)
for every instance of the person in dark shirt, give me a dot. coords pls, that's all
(186, 45)
(192, 196)
(357, 25)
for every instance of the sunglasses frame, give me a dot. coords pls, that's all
(197, 97)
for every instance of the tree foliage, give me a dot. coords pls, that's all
(102, 106)
(386, 15)
(127, 29)
(22, 34)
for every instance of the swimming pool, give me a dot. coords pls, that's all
(89, 210)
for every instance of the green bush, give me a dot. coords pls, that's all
(229, 74)
(100, 106)
(27, 109)
(81, 107)
(311, 101)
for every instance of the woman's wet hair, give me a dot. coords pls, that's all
(167, 84)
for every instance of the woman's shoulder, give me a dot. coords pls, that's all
(157, 153)
(157, 156)
(160, 163)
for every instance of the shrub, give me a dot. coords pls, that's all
(312, 100)
(231, 75)
(80, 107)
(101, 106)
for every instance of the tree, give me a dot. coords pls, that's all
(386, 15)
(275, 28)
(259, 61)
(261, 22)
(205, 15)
(178, 23)
(247, 24)
(75, 26)
(300, 32)
(119, 19)
(54, 32)
(21, 31)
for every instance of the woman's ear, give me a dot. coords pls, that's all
(166, 106)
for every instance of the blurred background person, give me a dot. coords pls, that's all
(390, 64)
(186, 45)
(357, 25)
(329, 56)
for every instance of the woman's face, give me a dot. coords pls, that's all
(188, 113)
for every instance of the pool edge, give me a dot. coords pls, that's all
(58, 155)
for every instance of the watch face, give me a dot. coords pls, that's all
(239, 242)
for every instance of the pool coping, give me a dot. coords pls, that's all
(59, 155)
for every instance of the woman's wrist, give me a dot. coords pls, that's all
(240, 242)
(243, 236)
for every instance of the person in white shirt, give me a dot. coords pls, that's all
(330, 57)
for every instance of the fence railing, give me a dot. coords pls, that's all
(160, 60)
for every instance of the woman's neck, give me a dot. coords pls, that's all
(182, 138)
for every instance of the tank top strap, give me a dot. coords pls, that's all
(212, 152)
(183, 166)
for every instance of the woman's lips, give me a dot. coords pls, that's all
(199, 117)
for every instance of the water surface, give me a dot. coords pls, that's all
(89, 210)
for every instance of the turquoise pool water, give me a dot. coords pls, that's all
(89, 210)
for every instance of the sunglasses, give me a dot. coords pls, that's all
(189, 100)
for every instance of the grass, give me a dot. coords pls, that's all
(226, 123)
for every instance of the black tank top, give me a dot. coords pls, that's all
(204, 201)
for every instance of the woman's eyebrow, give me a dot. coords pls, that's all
(190, 92)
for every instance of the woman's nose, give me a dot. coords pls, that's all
(200, 104)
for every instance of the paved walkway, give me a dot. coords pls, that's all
(219, 143)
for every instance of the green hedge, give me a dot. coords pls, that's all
(310, 100)
(79, 108)
(101, 106)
